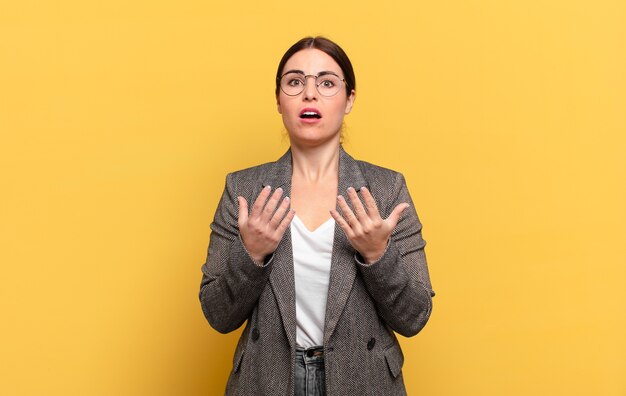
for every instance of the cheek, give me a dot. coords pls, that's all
(287, 106)
(339, 109)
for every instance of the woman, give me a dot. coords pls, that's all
(321, 254)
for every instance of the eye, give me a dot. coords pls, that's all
(327, 84)
(295, 82)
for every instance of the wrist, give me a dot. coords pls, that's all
(373, 257)
(256, 259)
(260, 261)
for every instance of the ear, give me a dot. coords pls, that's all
(280, 111)
(350, 101)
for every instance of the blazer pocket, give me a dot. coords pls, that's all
(239, 351)
(395, 359)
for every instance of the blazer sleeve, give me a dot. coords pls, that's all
(399, 282)
(231, 281)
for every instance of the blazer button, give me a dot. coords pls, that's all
(255, 334)
(371, 343)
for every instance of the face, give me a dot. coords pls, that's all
(310, 118)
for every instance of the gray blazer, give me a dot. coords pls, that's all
(366, 303)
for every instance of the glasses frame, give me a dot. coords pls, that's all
(306, 80)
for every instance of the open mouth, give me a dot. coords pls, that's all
(310, 113)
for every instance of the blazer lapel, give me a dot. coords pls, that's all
(343, 269)
(282, 276)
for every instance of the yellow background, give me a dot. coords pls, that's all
(119, 121)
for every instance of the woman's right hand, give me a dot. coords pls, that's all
(262, 229)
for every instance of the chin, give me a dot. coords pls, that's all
(313, 138)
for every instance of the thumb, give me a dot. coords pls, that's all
(243, 211)
(395, 215)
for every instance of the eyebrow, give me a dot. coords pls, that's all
(322, 73)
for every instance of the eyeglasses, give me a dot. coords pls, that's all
(327, 83)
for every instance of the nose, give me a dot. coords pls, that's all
(310, 90)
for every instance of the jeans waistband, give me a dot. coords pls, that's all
(316, 351)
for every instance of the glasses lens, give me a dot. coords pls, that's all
(328, 84)
(292, 83)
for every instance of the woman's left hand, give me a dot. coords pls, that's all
(366, 230)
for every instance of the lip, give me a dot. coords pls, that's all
(310, 109)
(310, 120)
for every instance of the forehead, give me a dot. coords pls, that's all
(312, 61)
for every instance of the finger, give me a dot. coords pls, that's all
(242, 218)
(359, 210)
(347, 214)
(282, 227)
(342, 223)
(370, 203)
(280, 213)
(260, 201)
(271, 205)
(394, 217)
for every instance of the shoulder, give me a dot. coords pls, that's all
(266, 172)
(387, 186)
(249, 181)
(246, 182)
(374, 170)
(379, 175)
(253, 172)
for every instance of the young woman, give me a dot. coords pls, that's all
(320, 254)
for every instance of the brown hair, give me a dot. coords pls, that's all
(327, 46)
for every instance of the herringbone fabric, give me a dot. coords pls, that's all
(366, 303)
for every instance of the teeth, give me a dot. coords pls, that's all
(310, 114)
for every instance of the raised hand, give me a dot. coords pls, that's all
(262, 229)
(366, 230)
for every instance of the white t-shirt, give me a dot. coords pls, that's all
(312, 251)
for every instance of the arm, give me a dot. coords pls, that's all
(232, 282)
(397, 279)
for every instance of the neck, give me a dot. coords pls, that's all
(313, 164)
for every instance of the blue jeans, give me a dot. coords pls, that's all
(310, 372)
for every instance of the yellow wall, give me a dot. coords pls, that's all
(119, 121)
